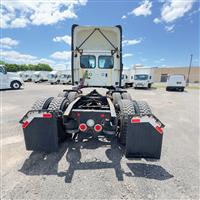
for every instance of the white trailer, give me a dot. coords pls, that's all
(53, 77)
(143, 77)
(125, 78)
(27, 75)
(40, 76)
(65, 77)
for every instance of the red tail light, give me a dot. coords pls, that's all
(135, 120)
(98, 128)
(83, 127)
(159, 129)
(47, 115)
(102, 115)
(25, 124)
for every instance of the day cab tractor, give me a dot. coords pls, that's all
(96, 62)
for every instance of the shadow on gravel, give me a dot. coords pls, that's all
(47, 164)
(73, 156)
(149, 171)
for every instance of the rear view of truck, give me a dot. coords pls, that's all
(96, 62)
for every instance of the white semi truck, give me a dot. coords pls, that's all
(27, 75)
(40, 76)
(143, 77)
(9, 80)
(65, 77)
(53, 77)
(96, 62)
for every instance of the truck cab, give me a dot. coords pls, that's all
(9, 80)
(53, 77)
(39, 76)
(142, 81)
(96, 56)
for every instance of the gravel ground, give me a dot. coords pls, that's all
(97, 169)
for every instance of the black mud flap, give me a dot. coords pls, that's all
(42, 131)
(144, 137)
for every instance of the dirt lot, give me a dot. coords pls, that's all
(91, 169)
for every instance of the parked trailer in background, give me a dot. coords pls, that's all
(27, 75)
(65, 77)
(125, 77)
(176, 82)
(40, 76)
(53, 77)
(143, 77)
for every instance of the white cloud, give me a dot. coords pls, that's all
(65, 38)
(175, 9)
(8, 43)
(131, 42)
(62, 55)
(170, 28)
(124, 17)
(19, 58)
(127, 55)
(20, 13)
(16, 57)
(144, 9)
(156, 21)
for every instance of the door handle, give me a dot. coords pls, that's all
(106, 75)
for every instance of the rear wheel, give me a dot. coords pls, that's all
(63, 94)
(15, 85)
(126, 96)
(126, 108)
(116, 97)
(58, 103)
(144, 108)
(42, 103)
(72, 96)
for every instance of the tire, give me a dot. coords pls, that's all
(63, 94)
(58, 103)
(15, 85)
(144, 108)
(72, 96)
(116, 98)
(126, 96)
(42, 103)
(149, 85)
(126, 107)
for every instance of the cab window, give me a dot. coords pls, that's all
(88, 61)
(106, 62)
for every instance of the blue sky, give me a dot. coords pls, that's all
(155, 33)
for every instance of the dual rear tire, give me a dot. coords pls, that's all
(128, 107)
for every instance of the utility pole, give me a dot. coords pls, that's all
(188, 78)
